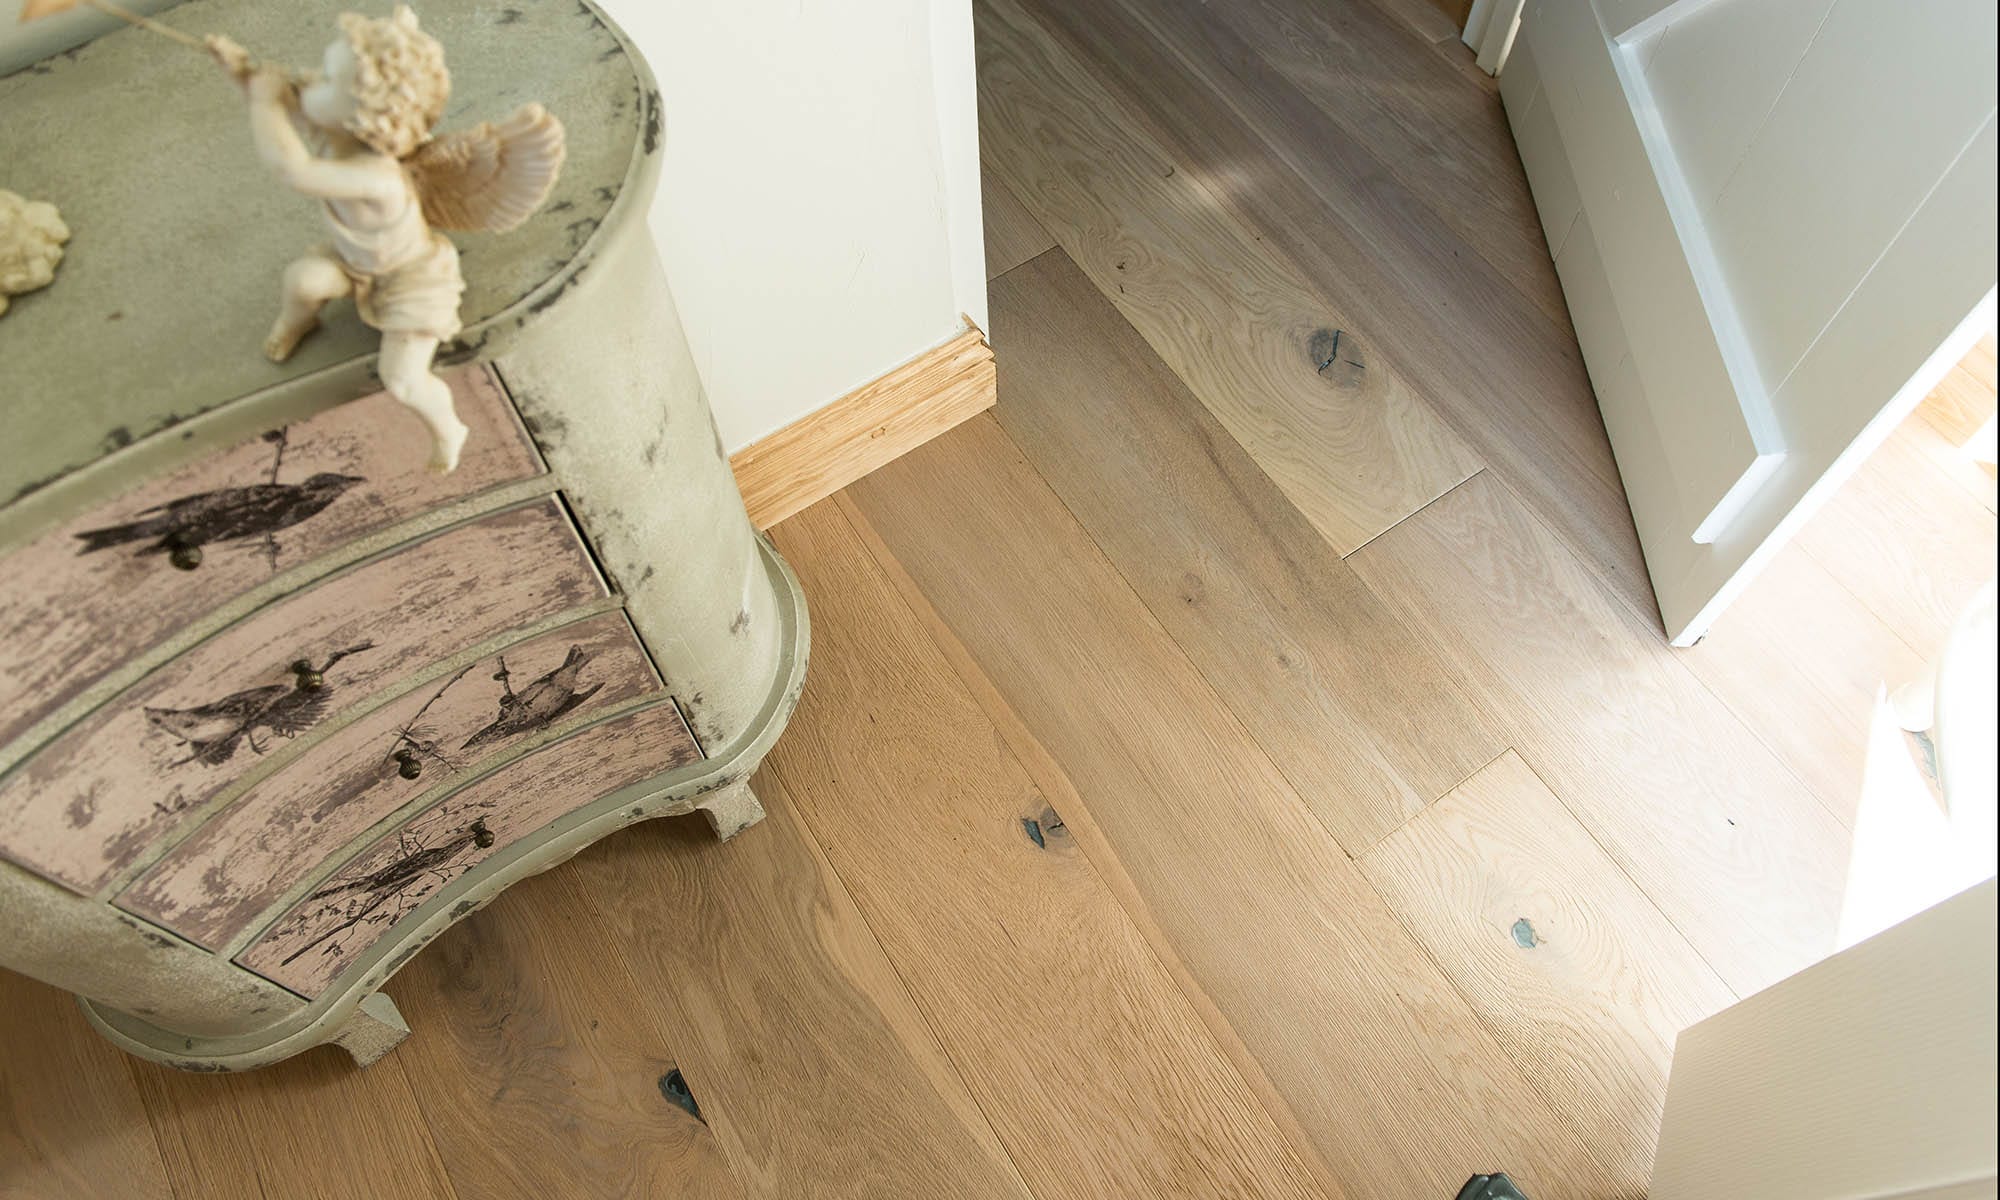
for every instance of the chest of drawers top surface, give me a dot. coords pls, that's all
(179, 234)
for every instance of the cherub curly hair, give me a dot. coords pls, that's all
(400, 84)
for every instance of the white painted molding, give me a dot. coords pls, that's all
(1490, 28)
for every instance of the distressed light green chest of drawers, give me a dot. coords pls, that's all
(276, 704)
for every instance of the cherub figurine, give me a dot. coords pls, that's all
(386, 187)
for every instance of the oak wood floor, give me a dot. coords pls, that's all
(1246, 763)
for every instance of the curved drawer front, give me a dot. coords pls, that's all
(93, 799)
(329, 929)
(210, 888)
(90, 594)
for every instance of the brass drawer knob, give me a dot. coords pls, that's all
(308, 677)
(183, 554)
(482, 836)
(407, 764)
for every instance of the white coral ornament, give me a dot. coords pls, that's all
(32, 234)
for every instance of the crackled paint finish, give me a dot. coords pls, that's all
(211, 887)
(102, 587)
(91, 801)
(172, 278)
(573, 308)
(365, 899)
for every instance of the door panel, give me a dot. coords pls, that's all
(1782, 238)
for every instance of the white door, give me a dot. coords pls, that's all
(1774, 223)
(1870, 1074)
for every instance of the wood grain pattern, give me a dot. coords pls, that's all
(1941, 426)
(1430, 20)
(1324, 676)
(309, 1128)
(69, 607)
(1802, 662)
(1054, 783)
(1902, 537)
(360, 903)
(820, 1075)
(538, 1065)
(1743, 858)
(850, 1028)
(1442, 31)
(71, 1124)
(1979, 362)
(1509, 381)
(1013, 236)
(1582, 979)
(1413, 167)
(1126, 1094)
(90, 802)
(1964, 399)
(1443, 141)
(1293, 376)
(211, 887)
(821, 453)
(1352, 1026)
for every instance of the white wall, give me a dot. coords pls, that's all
(819, 199)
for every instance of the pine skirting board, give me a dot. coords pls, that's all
(826, 450)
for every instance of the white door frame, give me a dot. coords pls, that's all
(1490, 28)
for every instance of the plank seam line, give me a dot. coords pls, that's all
(1770, 747)
(1037, 257)
(1285, 1124)
(804, 811)
(1420, 508)
(1591, 833)
(1560, 1112)
(1432, 802)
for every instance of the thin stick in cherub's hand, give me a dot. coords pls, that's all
(233, 57)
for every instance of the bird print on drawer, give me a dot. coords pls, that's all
(212, 732)
(182, 526)
(538, 705)
(212, 887)
(224, 515)
(201, 534)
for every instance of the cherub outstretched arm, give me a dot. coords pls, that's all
(272, 101)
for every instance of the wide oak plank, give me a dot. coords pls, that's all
(1013, 236)
(1582, 979)
(1126, 1094)
(1448, 143)
(71, 1124)
(1732, 847)
(1291, 375)
(1412, 171)
(1509, 381)
(310, 1126)
(820, 1077)
(1363, 721)
(1913, 545)
(1942, 425)
(1803, 662)
(538, 1062)
(1355, 1032)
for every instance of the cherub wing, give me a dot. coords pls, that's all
(492, 177)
